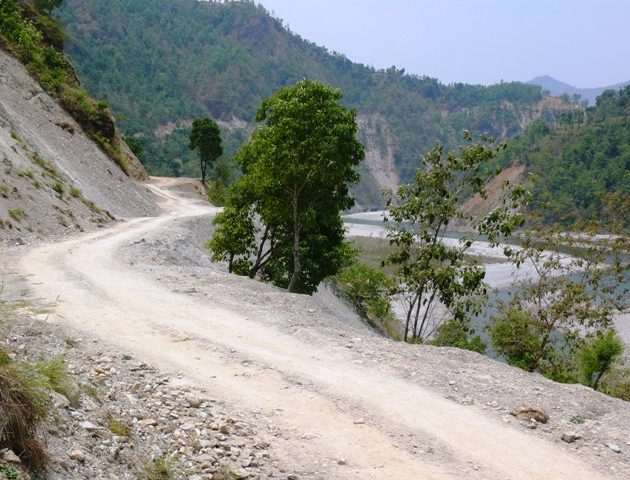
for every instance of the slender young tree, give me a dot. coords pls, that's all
(205, 139)
(431, 273)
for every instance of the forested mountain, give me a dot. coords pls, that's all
(579, 161)
(557, 88)
(162, 63)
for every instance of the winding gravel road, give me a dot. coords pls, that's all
(313, 393)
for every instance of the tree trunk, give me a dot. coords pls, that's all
(203, 173)
(297, 265)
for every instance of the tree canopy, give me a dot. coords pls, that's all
(282, 218)
(205, 139)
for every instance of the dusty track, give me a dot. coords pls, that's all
(312, 392)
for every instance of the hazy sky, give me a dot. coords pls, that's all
(583, 42)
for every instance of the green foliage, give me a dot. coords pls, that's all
(457, 334)
(221, 59)
(367, 290)
(118, 428)
(17, 214)
(205, 139)
(75, 192)
(56, 377)
(282, 218)
(558, 320)
(157, 469)
(516, 337)
(430, 273)
(59, 188)
(9, 472)
(597, 356)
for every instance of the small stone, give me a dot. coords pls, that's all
(59, 400)
(89, 426)
(570, 437)
(224, 430)
(614, 447)
(193, 400)
(150, 422)
(10, 457)
(529, 412)
(359, 422)
(77, 455)
(342, 461)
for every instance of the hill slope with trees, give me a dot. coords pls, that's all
(578, 162)
(162, 63)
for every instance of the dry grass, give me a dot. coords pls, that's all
(24, 404)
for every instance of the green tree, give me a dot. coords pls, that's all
(431, 273)
(296, 171)
(564, 297)
(205, 139)
(48, 5)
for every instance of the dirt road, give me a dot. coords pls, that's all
(337, 418)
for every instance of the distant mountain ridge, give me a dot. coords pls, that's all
(557, 88)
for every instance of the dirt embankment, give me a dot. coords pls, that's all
(54, 181)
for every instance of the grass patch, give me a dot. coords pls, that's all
(59, 188)
(118, 428)
(56, 377)
(24, 405)
(17, 214)
(157, 469)
(91, 391)
(75, 192)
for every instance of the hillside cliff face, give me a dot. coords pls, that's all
(53, 178)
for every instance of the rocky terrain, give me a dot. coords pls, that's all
(54, 181)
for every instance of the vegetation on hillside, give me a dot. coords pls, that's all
(579, 163)
(221, 59)
(37, 41)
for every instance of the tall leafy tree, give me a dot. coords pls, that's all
(205, 139)
(282, 218)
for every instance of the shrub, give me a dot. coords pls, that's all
(75, 192)
(59, 188)
(515, 336)
(454, 334)
(597, 355)
(367, 290)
